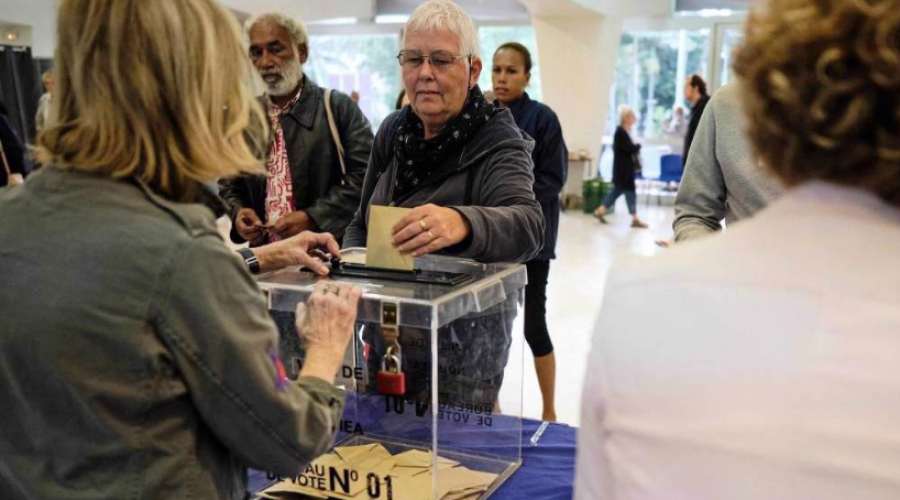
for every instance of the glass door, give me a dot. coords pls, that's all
(727, 37)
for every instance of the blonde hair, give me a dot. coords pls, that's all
(625, 112)
(443, 15)
(294, 27)
(821, 85)
(156, 91)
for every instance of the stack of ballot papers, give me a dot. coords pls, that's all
(371, 472)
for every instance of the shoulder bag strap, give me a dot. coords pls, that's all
(335, 135)
(5, 165)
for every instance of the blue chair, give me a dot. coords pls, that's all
(670, 170)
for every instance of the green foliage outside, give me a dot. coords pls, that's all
(646, 76)
(368, 64)
(356, 58)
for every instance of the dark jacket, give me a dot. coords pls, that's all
(495, 167)
(551, 158)
(135, 358)
(14, 151)
(696, 114)
(315, 166)
(625, 160)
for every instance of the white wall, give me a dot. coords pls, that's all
(578, 58)
(578, 41)
(307, 10)
(21, 32)
(40, 16)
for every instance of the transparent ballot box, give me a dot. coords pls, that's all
(433, 389)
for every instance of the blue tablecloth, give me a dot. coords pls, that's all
(547, 472)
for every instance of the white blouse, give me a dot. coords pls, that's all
(760, 364)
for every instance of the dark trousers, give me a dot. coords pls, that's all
(536, 333)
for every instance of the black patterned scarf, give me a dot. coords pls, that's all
(418, 159)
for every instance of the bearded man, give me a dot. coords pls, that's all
(307, 186)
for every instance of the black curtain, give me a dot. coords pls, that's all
(19, 89)
(40, 66)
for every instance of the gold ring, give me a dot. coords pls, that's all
(430, 235)
(422, 225)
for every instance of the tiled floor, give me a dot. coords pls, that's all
(585, 251)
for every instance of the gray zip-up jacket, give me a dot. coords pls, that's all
(136, 352)
(722, 178)
(495, 167)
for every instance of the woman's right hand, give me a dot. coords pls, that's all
(325, 324)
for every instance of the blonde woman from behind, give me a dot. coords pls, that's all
(137, 357)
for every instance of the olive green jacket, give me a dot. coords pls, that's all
(136, 352)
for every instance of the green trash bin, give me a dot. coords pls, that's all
(593, 191)
(603, 188)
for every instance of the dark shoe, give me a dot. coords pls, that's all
(600, 217)
(639, 225)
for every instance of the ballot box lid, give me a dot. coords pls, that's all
(419, 305)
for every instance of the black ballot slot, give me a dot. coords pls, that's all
(416, 276)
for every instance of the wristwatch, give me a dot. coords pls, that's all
(250, 259)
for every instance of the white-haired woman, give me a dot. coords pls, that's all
(137, 357)
(464, 169)
(459, 162)
(626, 164)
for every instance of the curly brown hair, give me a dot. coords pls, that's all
(821, 81)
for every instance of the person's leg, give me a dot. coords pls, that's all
(538, 336)
(545, 366)
(609, 201)
(631, 199)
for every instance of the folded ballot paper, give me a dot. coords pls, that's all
(380, 250)
(370, 472)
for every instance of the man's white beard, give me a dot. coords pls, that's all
(292, 74)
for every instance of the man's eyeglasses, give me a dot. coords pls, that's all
(440, 59)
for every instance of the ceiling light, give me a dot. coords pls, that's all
(392, 19)
(715, 12)
(335, 20)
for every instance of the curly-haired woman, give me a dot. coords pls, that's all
(768, 369)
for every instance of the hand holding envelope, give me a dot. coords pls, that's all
(380, 250)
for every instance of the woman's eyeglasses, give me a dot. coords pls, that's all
(440, 59)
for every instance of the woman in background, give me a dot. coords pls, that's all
(510, 74)
(626, 164)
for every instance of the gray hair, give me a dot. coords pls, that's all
(294, 27)
(444, 15)
(625, 112)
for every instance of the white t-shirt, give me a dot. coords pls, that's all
(760, 364)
